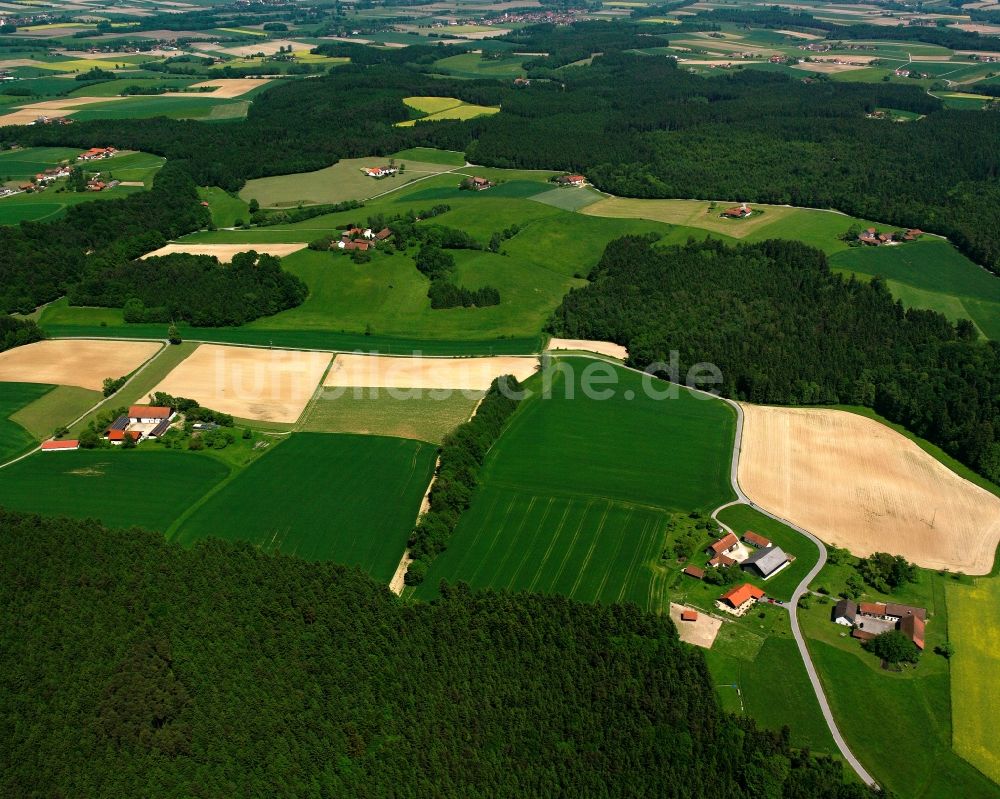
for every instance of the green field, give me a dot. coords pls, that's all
(225, 208)
(14, 397)
(473, 65)
(742, 518)
(576, 496)
(432, 109)
(352, 499)
(371, 411)
(342, 181)
(121, 488)
(56, 408)
(25, 163)
(931, 273)
(974, 629)
(883, 714)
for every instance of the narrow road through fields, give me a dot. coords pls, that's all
(793, 605)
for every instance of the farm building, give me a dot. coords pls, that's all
(96, 153)
(66, 445)
(117, 437)
(728, 543)
(571, 180)
(722, 561)
(741, 211)
(476, 184)
(383, 234)
(694, 571)
(766, 562)
(380, 171)
(741, 598)
(845, 612)
(689, 615)
(148, 414)
(754, 540)
(868, 619)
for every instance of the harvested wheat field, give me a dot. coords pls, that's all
(83, 363)
(600, 347)
(858, 484)
(462, 374)
(225, 252)
(249, 382)
(223, 88)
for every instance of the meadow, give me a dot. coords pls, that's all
(225, 208)
(974, 629)
(347, 498)
(934, 274)
(369, 411)
(473, 65)
(576, 496)
(14, 438)
(121, 488)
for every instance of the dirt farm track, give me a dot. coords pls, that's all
(857, 484)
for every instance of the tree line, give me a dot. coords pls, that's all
(784, 330)
(220, 670)
(462, 454)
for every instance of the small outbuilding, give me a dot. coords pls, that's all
(65, 445)
(694, 571)
(845, 612)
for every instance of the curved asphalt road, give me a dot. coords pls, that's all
(793, 605)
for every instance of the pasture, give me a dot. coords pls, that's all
(432, 109)
(74, 363)
(122, 488)
(249, 383)
(374, 412)
(974, 629)
(25, 163)
(226, 209)
(473, 65)
(888, 496)
(576, 496)
(352, 499)
(14, 397)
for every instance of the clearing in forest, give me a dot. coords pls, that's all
(860, 485)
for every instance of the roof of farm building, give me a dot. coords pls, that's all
(742, 593)
(767, 561)
(758, 540)
(68, 443)
(148, 412)
(724, 543)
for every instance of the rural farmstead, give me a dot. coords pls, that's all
(430, 396)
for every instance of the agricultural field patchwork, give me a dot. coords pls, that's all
(14, 397)
(435, 108)
(348, 498)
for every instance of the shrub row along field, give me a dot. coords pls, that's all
(575, 496)
(352, 499)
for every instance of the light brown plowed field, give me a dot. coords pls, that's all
(857, 484)
(225, 252)
(81, 363)
(248, 382)
(381, 371)
(587, 345)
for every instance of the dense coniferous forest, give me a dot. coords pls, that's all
(783, 329)
(130, 667)
(193, 288)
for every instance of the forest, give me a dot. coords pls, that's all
(130, 667)
(16, 332)
(193, 288)
(785, 330)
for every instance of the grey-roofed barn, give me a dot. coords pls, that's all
(766, 561)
